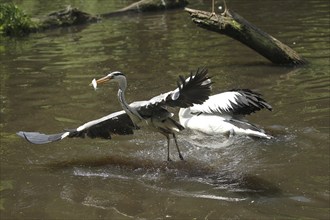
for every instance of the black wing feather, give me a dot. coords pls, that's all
(120, 125)
(116, 123)
(249, 102)
(193, 90)
(233, 102)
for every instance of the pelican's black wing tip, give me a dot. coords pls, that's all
(195, 89)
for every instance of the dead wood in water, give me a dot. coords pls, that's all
(147, 6)
(233, 25)
(66, 17)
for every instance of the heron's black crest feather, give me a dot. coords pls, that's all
(117, 73)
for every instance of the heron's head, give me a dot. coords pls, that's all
(112, 76)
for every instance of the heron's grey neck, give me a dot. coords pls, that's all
(132, 113)
(122, 82)
(122, 100)
(121, 94)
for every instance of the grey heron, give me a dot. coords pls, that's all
(153, 113)
(224, 113)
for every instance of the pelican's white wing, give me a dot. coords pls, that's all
(234, 102)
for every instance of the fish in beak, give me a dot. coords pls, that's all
(95, 82)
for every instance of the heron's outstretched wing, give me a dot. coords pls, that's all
(39, 138)
(193, 90)
(234, 102)
(115, 123)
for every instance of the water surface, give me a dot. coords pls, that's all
(44, 87)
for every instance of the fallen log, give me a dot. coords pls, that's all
(233, 25)
(147, 6)
(66, 17)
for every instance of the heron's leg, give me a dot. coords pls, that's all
(168, 147)
(231, 133)
(177, 147)
(166, 134)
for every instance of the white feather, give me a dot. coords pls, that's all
(217, 103)
(65, 135)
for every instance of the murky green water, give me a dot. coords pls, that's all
(44, 87)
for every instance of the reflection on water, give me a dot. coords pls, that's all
(44, 87)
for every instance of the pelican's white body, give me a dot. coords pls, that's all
(215, 124)
(214, 116)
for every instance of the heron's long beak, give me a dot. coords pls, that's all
(103, 80)
(95, 82)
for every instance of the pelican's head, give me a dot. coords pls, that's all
(112, 76)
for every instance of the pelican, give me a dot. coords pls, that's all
(152, 113)
(224, 113)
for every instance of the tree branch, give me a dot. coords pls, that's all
(233, 25)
